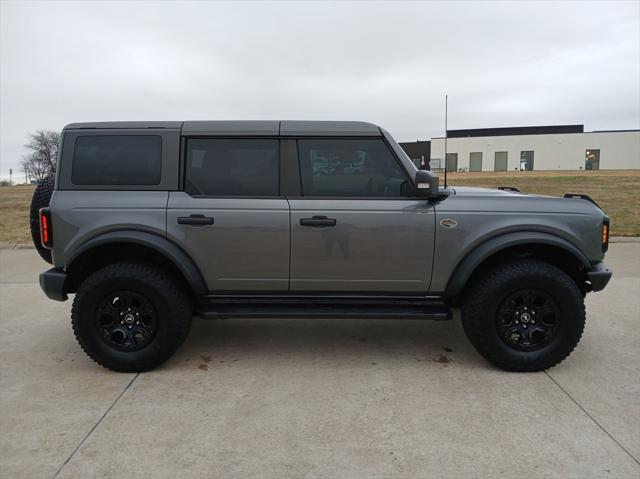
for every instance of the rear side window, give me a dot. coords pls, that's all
(232, 167)
(117, 160)
(363, 167)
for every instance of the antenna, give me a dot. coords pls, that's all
(446, 133)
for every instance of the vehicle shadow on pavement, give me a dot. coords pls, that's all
(325, 342)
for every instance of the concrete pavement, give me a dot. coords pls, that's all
(312, 398)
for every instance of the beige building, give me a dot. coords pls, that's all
(537, 148)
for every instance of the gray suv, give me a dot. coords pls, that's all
(151, 223)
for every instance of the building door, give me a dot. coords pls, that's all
(452, 162)
(592, 160)
(526, 160)
(501, 161)
(475, 161)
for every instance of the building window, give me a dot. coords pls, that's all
(526, 160)
(452, 162)
(592, 160)
(475, 161)
(501, 161)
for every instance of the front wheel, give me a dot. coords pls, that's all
(524, 315)
(130, 317)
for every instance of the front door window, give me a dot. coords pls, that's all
(350, 168)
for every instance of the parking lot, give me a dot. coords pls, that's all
(317, 398)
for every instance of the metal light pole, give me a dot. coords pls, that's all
(446, 133)
(10, 175)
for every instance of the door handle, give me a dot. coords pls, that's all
(318, 221)
(195, 220)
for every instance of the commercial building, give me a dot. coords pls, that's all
(565, 147)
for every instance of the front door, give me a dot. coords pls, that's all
(355, 228)
(230, 218)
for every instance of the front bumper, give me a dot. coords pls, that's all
(52, 283)
(598, 276)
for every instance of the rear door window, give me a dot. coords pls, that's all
(117, 160)
(232, 167)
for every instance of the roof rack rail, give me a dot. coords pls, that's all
(509, 188)
(581, 196)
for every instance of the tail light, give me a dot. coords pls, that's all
(46, 233)
(605, 233)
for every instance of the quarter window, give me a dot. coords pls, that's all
(232, 167)
(117, 160)
(361, 167)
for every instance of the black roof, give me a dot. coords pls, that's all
(234, 127)
(516, 130)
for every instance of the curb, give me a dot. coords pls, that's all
(16, 246)
(624, 239)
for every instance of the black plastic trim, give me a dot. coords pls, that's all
(218, 308)
(52, 282)
(171, 251)
(599, 276)
(581, 196)
(474, 258)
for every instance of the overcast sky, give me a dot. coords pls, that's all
(502, 64)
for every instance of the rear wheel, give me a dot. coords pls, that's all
(41, 199)
(130, 317)
(524, 315)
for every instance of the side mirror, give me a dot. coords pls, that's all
(427, 184)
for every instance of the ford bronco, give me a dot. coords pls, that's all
(151, 223)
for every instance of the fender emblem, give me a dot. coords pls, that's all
(448, 223)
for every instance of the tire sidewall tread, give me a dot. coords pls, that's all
(172, 305)
(41, 199)
(480, 307)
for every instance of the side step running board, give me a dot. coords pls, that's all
(210, 309)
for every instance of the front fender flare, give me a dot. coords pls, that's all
(476, 256)
(181, 260)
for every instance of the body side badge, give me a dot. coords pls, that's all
(448, 223)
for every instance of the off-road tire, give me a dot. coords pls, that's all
(169, 300)
(41, 199)
(483, 299)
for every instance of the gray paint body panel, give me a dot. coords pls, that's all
(247, 247)
(78, 216)
(482, 216)
(375, 246)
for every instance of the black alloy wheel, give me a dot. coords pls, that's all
(528, 320)
(126, 320)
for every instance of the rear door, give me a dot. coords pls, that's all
(355, 228)
(230, 216)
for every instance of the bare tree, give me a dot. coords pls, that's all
(41, 160)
